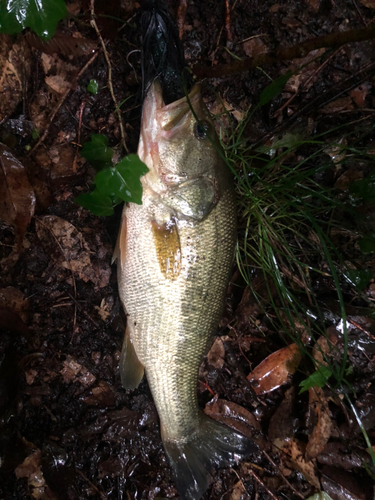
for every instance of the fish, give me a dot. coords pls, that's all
(175, 252)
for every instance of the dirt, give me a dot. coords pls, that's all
(68, 430)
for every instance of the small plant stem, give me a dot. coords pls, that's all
(333, 40)
(110, 86)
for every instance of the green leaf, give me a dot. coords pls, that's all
(367, 244)
(97, 202)
(363, 189)
(358, 278)
(97, 151)
(123, 180)
(93, 87)
(320, 496)
(274, 88)
(316, 379)
(41, 16)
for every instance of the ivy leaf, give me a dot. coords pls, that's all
(41, 16)
(123, 180)
(97, 151)
(274, 88)
(93, 87)
(316, 379)
(367, 244)
(359, 278)
(98, 203)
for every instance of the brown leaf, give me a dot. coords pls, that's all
(216, 355)
(370, 4)
(15, 71)
(359, 94)
(232, 415)
(15, 300)
(17, 198)
(282, 424)
(62, 44)
(295, 452)
(274, 371)
(69, 249)
(337, 106)
(318, 406)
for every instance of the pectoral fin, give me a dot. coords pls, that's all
(131, 369)
(168, 249)
(120, 248)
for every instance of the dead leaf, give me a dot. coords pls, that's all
(294, 451)
(282, 423)
(71, 371)
(319, 412)
(255, 46)
(69, 249)
(275, 370)
(216, 355)
(359, 94)
(15, 71)
(17, 198)
(341, 484)
(62, 44)
(370, 4)
(15, 300)
(30, 468)
(101, 395)
(337, 106)
(232, 415)
(60, 75)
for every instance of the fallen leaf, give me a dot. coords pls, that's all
(282, 423)
(69, 249)
(255, 46)
(359, 94)
(216, 355)
(337, 106)
(294, 451)
(232, 415)
(341, 484)
(17, 198)
(15, 71)
(370, 4)
(319, 412)
(15, 300)
(275, 370)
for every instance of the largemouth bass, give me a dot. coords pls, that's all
(175, 252)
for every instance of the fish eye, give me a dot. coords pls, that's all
(200, 130)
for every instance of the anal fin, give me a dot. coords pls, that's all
(131, 369)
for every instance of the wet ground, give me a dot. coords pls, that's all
(68, 430)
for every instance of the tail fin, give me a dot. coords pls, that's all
(162, 52)
(213, 445)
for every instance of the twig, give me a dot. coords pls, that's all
(70, 268)
(333, 40)
(110, 86)
(102, 495)
(282, 475)
(60, 103)
(81, 108)
(258, 480)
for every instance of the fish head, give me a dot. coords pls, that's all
(179, 145)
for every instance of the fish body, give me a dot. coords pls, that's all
(175, 254)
